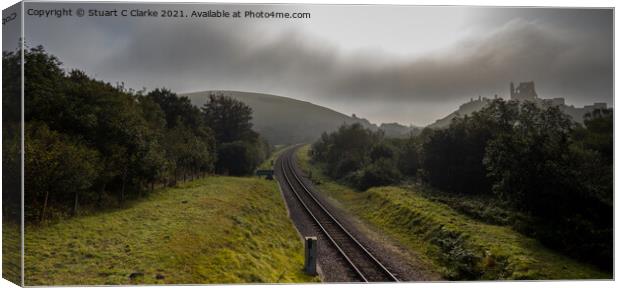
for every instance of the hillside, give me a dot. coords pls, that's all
(212, 230)
(283, 120)
(465, 109)
(395, 130)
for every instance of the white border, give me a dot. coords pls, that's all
(543, 3)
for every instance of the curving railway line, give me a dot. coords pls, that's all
(363, 265)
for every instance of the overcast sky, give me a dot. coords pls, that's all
(403, 64)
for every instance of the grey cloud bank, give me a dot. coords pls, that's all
(567, 52)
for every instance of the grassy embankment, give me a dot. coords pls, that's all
(11, 252)
(457, 246)
(212, 230)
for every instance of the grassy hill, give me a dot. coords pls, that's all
(456, 245)
(212, 230)
(283, 120)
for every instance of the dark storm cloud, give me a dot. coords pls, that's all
(577, 66)
(197, 57)
(567, 52)
(563, 64)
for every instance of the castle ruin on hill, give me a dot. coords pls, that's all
(525, 91)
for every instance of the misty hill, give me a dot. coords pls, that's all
(283, 120)
(464, 110)
(395, 130)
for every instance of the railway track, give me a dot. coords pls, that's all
(361, 262)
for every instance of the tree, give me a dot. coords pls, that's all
(89, 141)
(359, 156)
(598, 133)
(452, 158)
(537, 162)
(177, 110)
(409, 158)
(43, 86)
(11, 136)
(239, 149)
(58, 169)
(530, 161)
(348, 149)
(229, 118)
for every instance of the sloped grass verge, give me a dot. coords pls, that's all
(212, 230)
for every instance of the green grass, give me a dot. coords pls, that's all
(211, 230)
(481, 207)
(11, 252)
(459, 247)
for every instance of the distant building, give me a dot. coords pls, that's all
(473, 105)
(525, 91)
(596, 105)
(552, 102)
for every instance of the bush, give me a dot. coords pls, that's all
(358, 156)
(463, 263)
(382, 172)
(343, 167)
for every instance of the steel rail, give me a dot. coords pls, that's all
(288, 158)
(318, 223)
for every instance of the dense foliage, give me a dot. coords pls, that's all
(240, 150)
(89, 143)
(362, 157)
(11, 140)
(535, 160)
